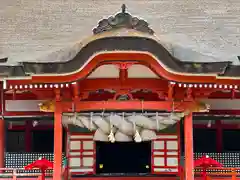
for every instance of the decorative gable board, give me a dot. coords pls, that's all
(165, 154)
(81, 153)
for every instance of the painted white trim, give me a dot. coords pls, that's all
(78, 170)
(82, 137)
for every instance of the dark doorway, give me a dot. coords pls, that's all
(123, 157)
(42, 141)
(230, 136)
(204, 140)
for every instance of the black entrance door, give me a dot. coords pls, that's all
(123, 157)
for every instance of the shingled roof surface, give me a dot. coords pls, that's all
(197, 30)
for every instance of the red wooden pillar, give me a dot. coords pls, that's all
(58, 132)
(188, 142)
(2, 143)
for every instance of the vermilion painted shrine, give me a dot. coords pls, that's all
(122, 93)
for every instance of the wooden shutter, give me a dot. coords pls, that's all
(165, 154)
(81, 154)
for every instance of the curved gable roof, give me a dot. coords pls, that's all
(127, 44)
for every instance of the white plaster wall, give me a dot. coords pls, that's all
(105, 71)
(23, 105)
(223, 104)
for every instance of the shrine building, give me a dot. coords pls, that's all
(121, 103)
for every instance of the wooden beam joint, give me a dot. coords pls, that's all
(189, 94)
(57, 95)
(170, 91)
(76, 93)
(124, 65)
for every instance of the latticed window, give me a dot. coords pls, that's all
(230, 140)
(204, 140)
(15, 141)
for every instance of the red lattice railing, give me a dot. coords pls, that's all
(15, 174)
(214, 173)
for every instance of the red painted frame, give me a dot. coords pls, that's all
(165, 155)
(81, 152)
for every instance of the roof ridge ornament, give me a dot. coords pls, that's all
(123, 20)
(124, 8)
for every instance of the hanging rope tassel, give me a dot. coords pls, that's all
(103, 109)
(209, 124)
(137, 137)
(111, 137)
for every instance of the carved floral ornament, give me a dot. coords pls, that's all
(123, 20)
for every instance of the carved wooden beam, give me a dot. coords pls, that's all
(134, 105)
